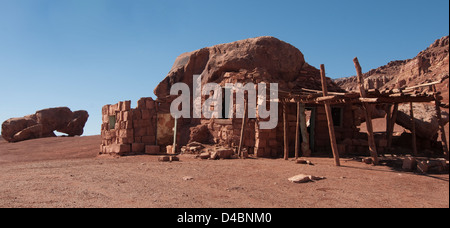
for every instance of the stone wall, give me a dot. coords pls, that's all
(128, 131)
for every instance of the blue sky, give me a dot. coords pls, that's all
(84, 54)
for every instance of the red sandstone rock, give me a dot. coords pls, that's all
(261, 59)
(43, 123)
(201, 134)
(152, 150)
(432, 64)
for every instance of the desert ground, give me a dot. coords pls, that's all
(67, 172)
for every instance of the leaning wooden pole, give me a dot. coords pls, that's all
(285, 131)
(367, 113)
(441, 127)
(244, 122)
(391, 127)
(297, 132)
(174, 147)
(334, 146)
(413, 124)
(388, 110)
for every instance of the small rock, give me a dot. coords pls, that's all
(302, 178)
(367, 160)
(409, 164)
(304, 162)
(205, 155)
(214, 155)
(225, 153)
(188, 178)
(164, 159)
(314, 178)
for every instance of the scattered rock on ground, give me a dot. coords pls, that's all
(304, 162)
(188, 178)
(302, 178)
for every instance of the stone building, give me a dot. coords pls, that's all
(150, 126)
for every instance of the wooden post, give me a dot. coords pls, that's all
(174, 147)
(388, 118)
(244, 122)
(297, 132)
(391, 126)
(388, 123)
(441, 127)
(413, 124)
(285, 131)
(306, 149)
(367, 113)
(334, 146)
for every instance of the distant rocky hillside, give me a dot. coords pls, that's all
(430, 65)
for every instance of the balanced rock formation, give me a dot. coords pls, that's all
(43, 123)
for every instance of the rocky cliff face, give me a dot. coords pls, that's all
(430, 65)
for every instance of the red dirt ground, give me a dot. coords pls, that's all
(66, 172)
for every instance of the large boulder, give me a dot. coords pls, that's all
(426, 122)
(43, 123)
(262, 59)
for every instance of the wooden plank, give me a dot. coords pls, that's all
(367, 113)
(424, 85)
(223, 121)
(334, 146)
(326, 98)
(368, 100)
(285, 132)
(321, 92)
(405, 99)
(413, 124)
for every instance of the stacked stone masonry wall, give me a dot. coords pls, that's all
(133, 130)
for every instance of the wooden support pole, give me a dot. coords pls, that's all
(441, 126)
(174, 147)
(388, 110)
(306, 150)
(393, 120)
(285, 132)
(388, 117)
(244, 122)
(413, 124)
(297, 132)
(367, 113)
(334, 146)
